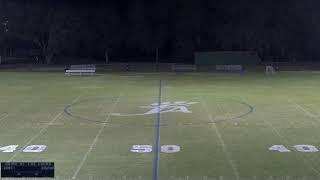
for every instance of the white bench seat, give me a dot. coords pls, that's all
(81, 72)
(86, 66)
(184, 68)
(229, 68)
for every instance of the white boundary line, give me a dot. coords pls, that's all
(223, 144)
(39, 133)
(95, 140)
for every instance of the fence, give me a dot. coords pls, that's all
(162, 67)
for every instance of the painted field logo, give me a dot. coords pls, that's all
(165, 107)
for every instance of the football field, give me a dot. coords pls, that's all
(163, 126)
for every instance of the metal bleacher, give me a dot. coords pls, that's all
(81, 70)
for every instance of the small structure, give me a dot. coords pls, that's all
(270, 70)
(81, 70)
(183, 68)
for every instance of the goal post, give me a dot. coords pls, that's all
(270, 70)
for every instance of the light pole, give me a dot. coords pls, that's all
(5, 25)
(5, 29)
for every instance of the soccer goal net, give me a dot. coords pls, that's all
(270, 70)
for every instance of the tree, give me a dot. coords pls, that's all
(45, 30)
(40, 24)
(109, 30)
(139, 34)
(4, 23)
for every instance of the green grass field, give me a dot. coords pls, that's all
(223, 124)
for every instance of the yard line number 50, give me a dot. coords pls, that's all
(148, 148)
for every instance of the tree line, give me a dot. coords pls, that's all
(116, 29)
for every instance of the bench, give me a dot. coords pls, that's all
(83, 66)
(81, 70)
(229, 68)
(184, 68)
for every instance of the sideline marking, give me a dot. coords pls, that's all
(223, 144)
(40, 132)
(157, 136)
(95, 140)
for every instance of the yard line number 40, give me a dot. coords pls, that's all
(28, 149)
(305, 148)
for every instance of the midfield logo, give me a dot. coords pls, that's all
(178, 106)
(164, 107)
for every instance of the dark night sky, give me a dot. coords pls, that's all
(135, 28)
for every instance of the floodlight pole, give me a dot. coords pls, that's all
(5, 29)
(157, 55)
(157, 59)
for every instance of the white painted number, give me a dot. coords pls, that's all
(9, 148)
(141, 148)
(306, 148)
(279, 148)
(35, 148)
(31, 148)
(300, 148)
(170, 148)
(148, 148)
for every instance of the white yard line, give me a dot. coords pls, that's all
(39, 133)
(308, 113)
(223, 144)
(99, 108)
(284, 140)
(36, 136)
(95, 140)
(5, 116)
(91, 87)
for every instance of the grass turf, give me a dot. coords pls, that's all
(235, 120)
